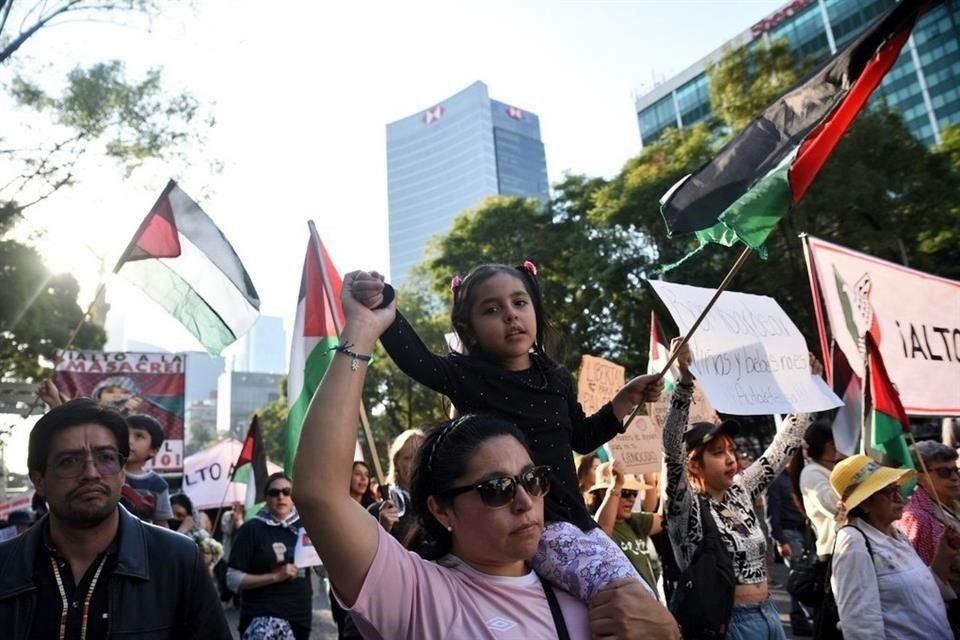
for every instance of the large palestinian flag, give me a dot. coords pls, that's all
(184, 263)
(314, 335)
(742, 193)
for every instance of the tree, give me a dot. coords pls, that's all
(201, 435)
(748, 79)
(273, 425)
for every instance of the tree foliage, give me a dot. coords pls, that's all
(273, 425)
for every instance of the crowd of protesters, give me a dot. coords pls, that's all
(486, 526)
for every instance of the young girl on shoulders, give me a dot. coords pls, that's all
(504, 370)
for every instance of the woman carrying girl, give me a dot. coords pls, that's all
(702, 457)
(480, 495)
(504, 370)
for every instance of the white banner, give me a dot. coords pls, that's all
(748, 355)
(206, 475)
(916, 315)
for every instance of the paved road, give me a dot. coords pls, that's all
(325, 629)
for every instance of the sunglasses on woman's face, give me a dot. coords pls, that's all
(275, 493)
(628, 494)
(499, 492)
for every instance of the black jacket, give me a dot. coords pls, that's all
(159, 588)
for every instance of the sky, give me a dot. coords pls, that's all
(302, 93)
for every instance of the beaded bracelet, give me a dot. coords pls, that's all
(344, 348)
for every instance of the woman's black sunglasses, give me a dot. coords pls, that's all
(499, 492)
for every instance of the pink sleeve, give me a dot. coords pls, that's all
(403, 595)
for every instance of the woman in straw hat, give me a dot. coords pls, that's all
(702, 456)
(613, 497)
(882, 587)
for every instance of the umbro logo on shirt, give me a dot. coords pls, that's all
(497, 623)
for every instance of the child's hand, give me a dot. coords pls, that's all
(644, 388)
(815, 367)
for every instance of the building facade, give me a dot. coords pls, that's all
(448, 158)
(924, 85)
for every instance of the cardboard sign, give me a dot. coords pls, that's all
(599, 381)
(640, 448)
(305, 555)
(748, 354)
(700, 408)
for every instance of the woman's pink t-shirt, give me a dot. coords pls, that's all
(405, 596)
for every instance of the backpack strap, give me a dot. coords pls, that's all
(555, 611)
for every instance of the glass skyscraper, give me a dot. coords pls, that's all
(448, 158)
(924, 84)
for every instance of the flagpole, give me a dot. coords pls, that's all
(747, 251)
(817, 307)
(334, 305)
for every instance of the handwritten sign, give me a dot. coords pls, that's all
(599, 381)
(640, 448)
(700, 408)
(748, 354)
(305, 555)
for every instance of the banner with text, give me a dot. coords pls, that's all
(914, 316)
(150, 383)
(206, 475)
(599, 381)
(748, 355)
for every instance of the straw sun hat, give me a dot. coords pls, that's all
(858, 477)
(604, 479)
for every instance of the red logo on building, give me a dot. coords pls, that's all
(432, 115)
(515, 113)
(778, 17)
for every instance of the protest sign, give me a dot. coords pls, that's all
(913, 316)
(640, 448)
(148, 383)
(599, 381)
(700, 408)
(206, 475)
(305, 555)
(748, 355)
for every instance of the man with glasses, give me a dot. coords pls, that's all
(90, 569)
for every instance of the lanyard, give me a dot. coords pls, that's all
(86, 600)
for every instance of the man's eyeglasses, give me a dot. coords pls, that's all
(275, 493)
(946, 472)
(499, 492)
(71, 465)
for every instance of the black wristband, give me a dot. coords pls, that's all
(344, 348)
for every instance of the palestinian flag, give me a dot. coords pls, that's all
(184, 263)
(315, 333)
(659, 354)
(889, 423)
(251, 465)
(742, 193)
(848, 423)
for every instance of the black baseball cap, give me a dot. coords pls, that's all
(700, 433)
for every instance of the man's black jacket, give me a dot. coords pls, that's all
(159, 588)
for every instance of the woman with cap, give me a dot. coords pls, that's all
(702, 457)
(613, 497)
(882, 587)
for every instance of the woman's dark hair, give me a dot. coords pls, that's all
(444, 455)
(184, 501)
(367, 498)
(464, 299)
(816, 438)
(273, 477)
(70, 414)
(585, 475)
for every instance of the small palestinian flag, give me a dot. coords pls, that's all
(659, 354)
(184, 263)
(251, 465)
(314, 335)
(889, 423)
(742, 193)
